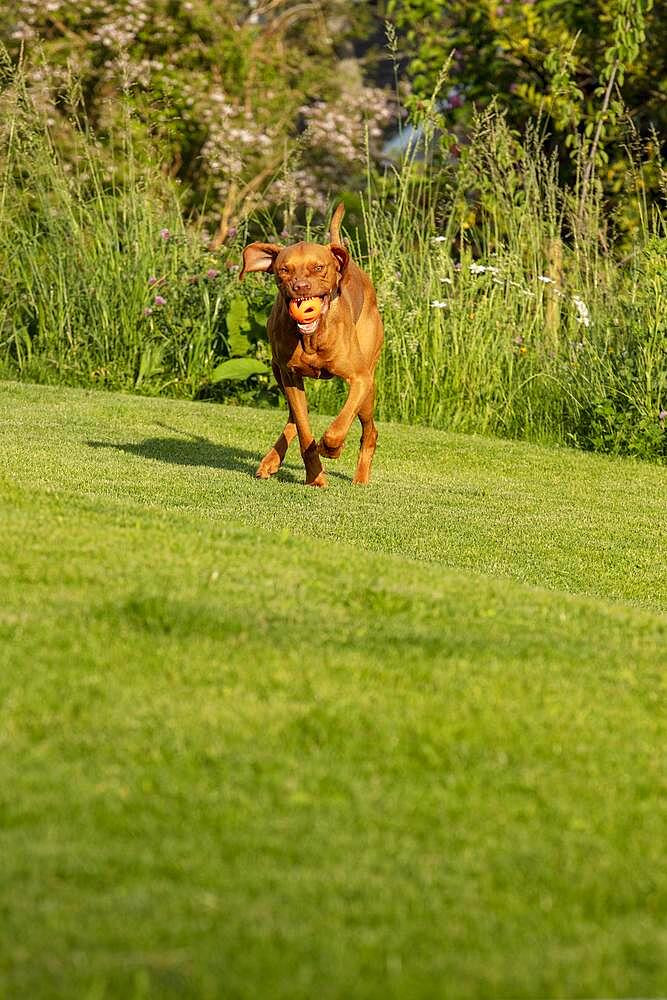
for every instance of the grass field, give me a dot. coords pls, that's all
(262, 741)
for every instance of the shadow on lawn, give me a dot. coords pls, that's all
(200, 451)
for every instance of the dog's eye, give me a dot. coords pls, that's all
(318, 267)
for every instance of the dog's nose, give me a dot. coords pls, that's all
(301, 287)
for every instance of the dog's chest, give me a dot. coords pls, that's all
(309, 364)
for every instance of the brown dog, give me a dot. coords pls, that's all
(345, 340)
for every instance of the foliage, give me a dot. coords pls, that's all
(511, 305)
(495, 323)
(237, 96)
(102, 281)
(564, 63)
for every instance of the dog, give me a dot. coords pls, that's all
(344, 340)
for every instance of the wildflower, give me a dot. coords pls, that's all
(152, 281)
(212, 273)
(662, 416)
(518, 340)
(438, 304)
(447, 281)
(546, 279)
(160, 301)
(439, 239)
(148, 311)
(232, 231)
(481, 269)
(165, 234)
(583, 315)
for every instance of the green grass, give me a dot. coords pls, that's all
(264, 741)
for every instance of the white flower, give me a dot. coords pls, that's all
(447, 281)
(437, 304)
(482, 269)
(547, 280)
(439, 239)
(583, 315)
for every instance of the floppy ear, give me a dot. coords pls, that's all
(341, 255)
(259, 257)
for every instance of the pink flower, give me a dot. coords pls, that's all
(212, 273)
(152, 281)
(165, 234)
(159, 301)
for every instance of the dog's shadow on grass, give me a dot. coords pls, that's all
(199, 451)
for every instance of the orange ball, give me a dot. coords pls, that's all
(306, 310)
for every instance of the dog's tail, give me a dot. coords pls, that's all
(334, 228)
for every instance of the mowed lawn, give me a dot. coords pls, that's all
(261, 741)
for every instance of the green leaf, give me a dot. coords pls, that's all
(237, 369)
(238, 324)
(239, 345)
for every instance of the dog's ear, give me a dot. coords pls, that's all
(259, 257)
(341, 255)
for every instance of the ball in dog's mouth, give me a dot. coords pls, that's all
(307, 312)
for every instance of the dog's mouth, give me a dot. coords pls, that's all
(308, 311)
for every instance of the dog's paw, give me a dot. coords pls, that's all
(319, 480)
(269, 465)
(329, 447)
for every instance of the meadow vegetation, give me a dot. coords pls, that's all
(520, 262)
(516, 332)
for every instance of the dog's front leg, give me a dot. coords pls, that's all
(333, 438)
(296, 397)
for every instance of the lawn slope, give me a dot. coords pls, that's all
(265, 741)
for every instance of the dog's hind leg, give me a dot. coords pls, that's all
(275, 456)
(369, 436)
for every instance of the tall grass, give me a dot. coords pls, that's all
(507, 309)
(102, 281)
(504, 314)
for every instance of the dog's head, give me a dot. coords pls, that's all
(302, 271)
